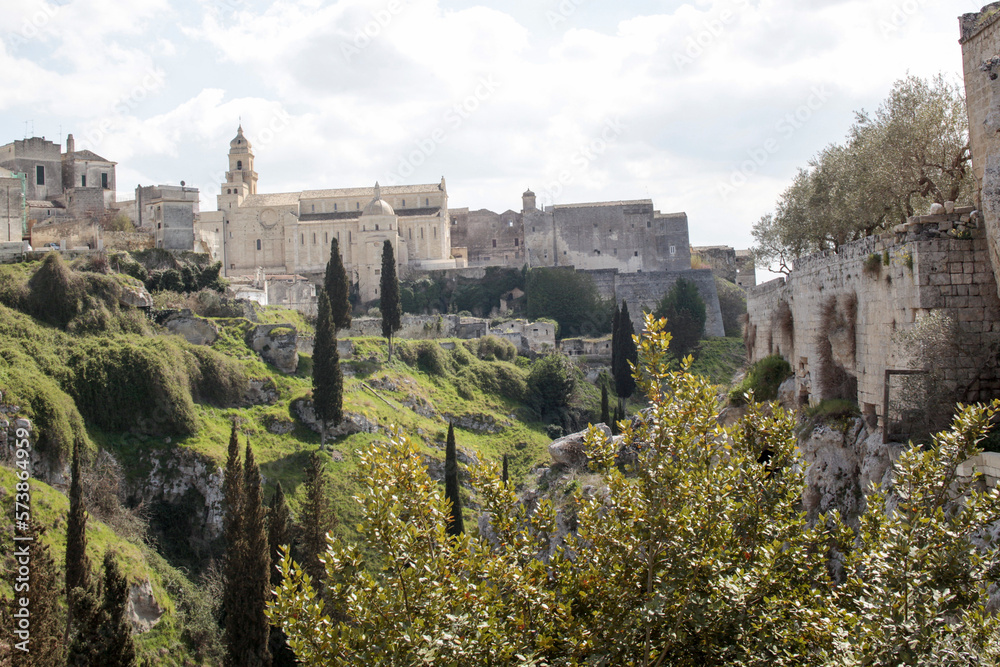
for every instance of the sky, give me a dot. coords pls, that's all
(707, 107)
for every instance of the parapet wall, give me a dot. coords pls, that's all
(833, 318)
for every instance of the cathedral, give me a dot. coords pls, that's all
(290, 233)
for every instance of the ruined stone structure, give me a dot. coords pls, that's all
(736, 266)
(833, 318)
(290, 233)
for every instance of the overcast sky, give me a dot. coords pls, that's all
(706, 107)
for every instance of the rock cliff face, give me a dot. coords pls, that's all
(842, 462)
(184, 493)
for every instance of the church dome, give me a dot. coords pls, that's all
(378, 206)
(239, 141)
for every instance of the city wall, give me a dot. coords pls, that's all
(834, 317)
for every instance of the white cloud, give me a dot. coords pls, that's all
(363, 88)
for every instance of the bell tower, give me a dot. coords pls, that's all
(241, 179)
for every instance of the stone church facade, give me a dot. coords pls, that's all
(291, 233)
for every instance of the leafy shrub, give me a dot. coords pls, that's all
(550, 386)
(425, 355)
(492, 348)
(732, 304)
(873, 265)
(763, 378)
(685, 312)
(217, 379)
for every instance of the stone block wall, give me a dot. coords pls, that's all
(837, 311)
(643, 291)
(980, 40)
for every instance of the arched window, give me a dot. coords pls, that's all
(258, 244)
(239, 165)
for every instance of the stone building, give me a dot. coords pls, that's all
(490, 239)
(290, 233)
(13, 206)
(168, 212)
(980, 40)
(59, 186)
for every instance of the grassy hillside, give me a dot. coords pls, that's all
(175, 639)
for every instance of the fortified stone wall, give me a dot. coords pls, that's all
(834, 316)
(643, 291)
(980, 40)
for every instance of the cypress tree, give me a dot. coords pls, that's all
(116, 646)
(45, 645)
(328, 379)
(315, 518)
(504, 478)
(626, 352)
(605, 414)
(85, 606)
(279, 530)
(685, 312)
(389, 291)
(279, 533)
(77, 563)
(456, 526)
(615, 342)
(233, 601)
(255, 563)
(338, 288)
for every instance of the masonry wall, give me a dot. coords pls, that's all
(980, 40)
(853, 303)
(643, 291)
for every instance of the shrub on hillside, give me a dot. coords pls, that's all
(550, 386)
(424, 355)
(492, 348)
(732, 305)
(763, 378)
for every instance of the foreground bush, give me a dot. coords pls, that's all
(762, 379)
(694, 554)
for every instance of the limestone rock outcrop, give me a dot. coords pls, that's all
(277, 344)
(136, 297)
(143, 609)
(352, 423)
(841, 465)
(195, 330)
(571, 450)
